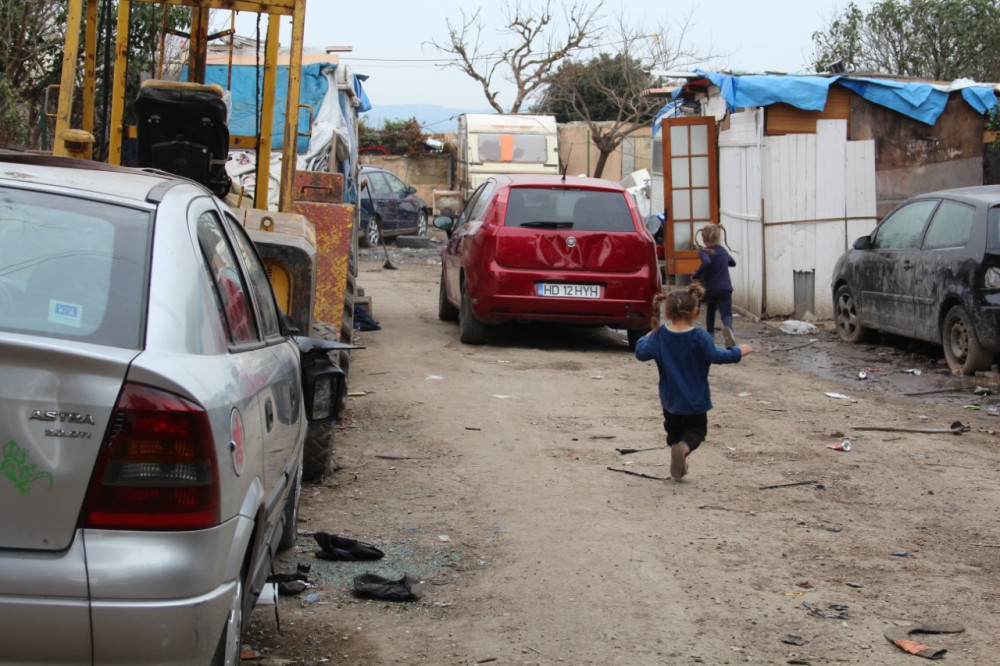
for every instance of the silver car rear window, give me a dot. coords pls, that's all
(72, 268)
(561, 208)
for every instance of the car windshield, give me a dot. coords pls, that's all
(563, 208)
(72, 268)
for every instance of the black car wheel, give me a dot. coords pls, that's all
(422, 223)
(961, 343)
(845, 313)
(446, 311)
(371, 232)
(471, 331)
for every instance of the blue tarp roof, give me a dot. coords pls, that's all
(248, 80)
(922, 101)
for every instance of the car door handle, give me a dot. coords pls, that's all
(268, 414)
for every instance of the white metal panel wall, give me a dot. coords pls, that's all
(739, 205)
(831, 207)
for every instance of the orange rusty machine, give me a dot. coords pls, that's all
(307, 239)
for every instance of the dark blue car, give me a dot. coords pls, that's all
(388, 207)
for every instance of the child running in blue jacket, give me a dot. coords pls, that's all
(683, 354)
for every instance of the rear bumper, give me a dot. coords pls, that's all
(161, 597)
(625, 302)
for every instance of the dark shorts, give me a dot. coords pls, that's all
(689, 428)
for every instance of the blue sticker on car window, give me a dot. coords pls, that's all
(67, 314)
(14, 465)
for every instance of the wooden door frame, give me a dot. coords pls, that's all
(685, 262)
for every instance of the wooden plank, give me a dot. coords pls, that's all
(861, 200)
(786, 119)
(831, 175)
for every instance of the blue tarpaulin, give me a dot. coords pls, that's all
(921, 101)
(248, 81)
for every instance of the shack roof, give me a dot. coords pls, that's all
(922, 100)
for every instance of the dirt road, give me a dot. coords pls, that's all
(491, 475)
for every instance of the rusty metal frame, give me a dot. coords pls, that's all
(275, 9)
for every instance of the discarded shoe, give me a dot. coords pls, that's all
(336, 547)
(727, 335)
(377, 587)
(678, 461)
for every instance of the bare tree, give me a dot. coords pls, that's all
(610, 92)
(537, 47)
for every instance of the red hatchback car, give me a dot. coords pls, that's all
(548, 248)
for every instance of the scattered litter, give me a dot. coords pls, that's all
(795, 327)
(744, 394)
(843, 446)
(429, 377)
(862, 375)
(857, 586)
(376, 587)
(982, 390)
(500, 396)
(444, 538)
(313, 598)
(900, 637)
(835, 529)
(837, 396)
(972, 407)
(356, 394)
(471, 428)
(788, 485)
(913, 371)
(831, 612)
(900, 553)
(603, 436)
(597, 376)
(651, 448)
(645, 476)
(792, 639)
(334, 547)
(956, 428)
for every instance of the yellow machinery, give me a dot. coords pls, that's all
(308, 244)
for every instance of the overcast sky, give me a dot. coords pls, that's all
(390, 38)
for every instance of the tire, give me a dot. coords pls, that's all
(845, 315)
(961, 343)
(318, 453)
(227, 653)
(634, 336)
(446, 311)
(471, 331)
(371, 232)
(422, 223)
(290, 530)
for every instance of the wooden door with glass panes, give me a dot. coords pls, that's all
(690, 188)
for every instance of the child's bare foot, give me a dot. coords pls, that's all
(678, 460)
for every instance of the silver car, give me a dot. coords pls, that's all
(153, 410)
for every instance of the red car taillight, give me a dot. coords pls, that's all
(159, 469)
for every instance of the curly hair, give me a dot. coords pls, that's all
(681, 304)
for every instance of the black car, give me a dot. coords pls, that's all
(389, 207)
(931, 271)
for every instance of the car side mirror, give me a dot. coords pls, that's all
(445, 223)
(411, 190)
(863, 243)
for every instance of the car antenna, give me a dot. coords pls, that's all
(565, 165)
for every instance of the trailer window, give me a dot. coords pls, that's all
(522, 148)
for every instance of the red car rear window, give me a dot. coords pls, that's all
(559, 208)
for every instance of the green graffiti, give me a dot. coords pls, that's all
(15, 466)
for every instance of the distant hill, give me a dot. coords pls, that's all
(434, 119)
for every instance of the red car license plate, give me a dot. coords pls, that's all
(568, 290)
